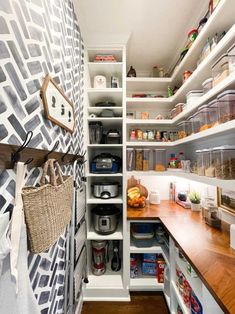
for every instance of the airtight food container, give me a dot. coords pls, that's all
(207, 85)
(231, 59)
(192, 97)
(220, 69)
(226, 106)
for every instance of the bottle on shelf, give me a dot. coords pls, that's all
(131, 72)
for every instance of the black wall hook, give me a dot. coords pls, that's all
(80, 159)
(15, 157)
(51, 151)
(63, 157)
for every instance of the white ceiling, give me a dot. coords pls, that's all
(156, 29)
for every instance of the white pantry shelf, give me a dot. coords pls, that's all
(112, 94)
(155, 249)
(105, 175)
(145, 284)
(116, 200)
(149, 84)
(117, 235)
(225, 184)
(105, 145)
(148, 121)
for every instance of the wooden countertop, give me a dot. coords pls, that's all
(207, 249)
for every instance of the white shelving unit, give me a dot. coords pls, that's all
(110, 285)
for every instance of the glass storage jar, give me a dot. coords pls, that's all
(209, 163)
(213, 112)
(173, 113)
(220, 69)
(204, 116)
(226, 105)
(130, 159)
(179, 108)
(146, 155)
(138, 159)
(224, 158)
(159, 159)
(200, 162)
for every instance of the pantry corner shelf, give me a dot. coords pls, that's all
(116, 200)
(149, 121)
(140, 250)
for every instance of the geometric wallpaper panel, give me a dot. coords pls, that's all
(39, 37)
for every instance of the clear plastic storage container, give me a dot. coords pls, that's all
(226, 105)
(183, 129)
(201, 162)
(190, 125)
(146, 155)
(209, 163)
(224, 157)
(207, 85)
(179, 108)
(192, 97)
(220, 69)
(159, 159)
(231, 59)
(139, 159)
(130, 159)
(204, 117)
(196, 122)
(214, 112)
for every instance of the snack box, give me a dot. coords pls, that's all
(147, 257)
(149, 269)
(196, 307)
(160, 270)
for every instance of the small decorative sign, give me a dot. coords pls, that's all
(58, 108)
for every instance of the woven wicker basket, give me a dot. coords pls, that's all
(47, 208)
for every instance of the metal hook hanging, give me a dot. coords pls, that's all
(15, 157)
(80, 159)
(51, 151)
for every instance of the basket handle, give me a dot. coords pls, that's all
(51, 165)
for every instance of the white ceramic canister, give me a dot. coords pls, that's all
(154, 198)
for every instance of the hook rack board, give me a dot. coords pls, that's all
(38, 156)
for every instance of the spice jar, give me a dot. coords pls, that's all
(158, 136)
(132, 135)
(186, 75)
(146, 155)
(226, 105)
(159, 159)
(173, 113)
(224, 159)
(139, 135)
(130, 161)
(209, 163)
(150, 135)
(138, 159)
(200, 162)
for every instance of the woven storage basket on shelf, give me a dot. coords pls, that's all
(47, 208)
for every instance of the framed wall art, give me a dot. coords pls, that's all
(226, 200)
(58, 108)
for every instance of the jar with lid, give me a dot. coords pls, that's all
(132, 135)
(183, 129)
(204, 117)
(207, 85)
(159, 159)
(200, 162)
(139, 135)
(138, 159)
(161, 72)
(179, 108)
(231, 56)
(146, 155)
(209, 163)
(150, 135)
(130, 159)
(214, 112)
(173, 113)
(186, 75)
(224, 159)
(211, 213)
(226, 105)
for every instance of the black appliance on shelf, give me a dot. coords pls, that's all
(106, 163)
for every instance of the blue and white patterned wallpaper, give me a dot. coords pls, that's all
(38, 37)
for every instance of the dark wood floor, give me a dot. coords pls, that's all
(141, 303)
